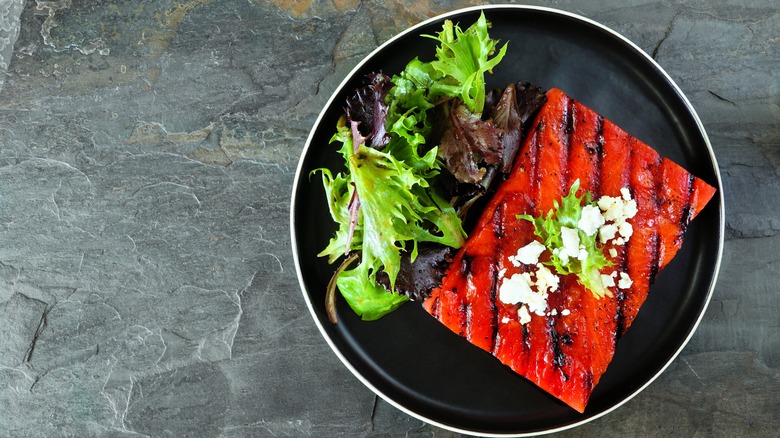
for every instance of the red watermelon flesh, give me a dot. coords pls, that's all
(566, 354)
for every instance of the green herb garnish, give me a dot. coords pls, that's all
(551, 230)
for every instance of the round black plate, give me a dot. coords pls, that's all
(416, 363)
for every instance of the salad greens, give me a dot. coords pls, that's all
(588, 258)
(389, 199)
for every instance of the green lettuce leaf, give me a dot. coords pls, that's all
(462, 59)
(397, 210)
(364, 296)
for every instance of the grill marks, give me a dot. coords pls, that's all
(642, 251)
(674, 202)
(582, 335)
(480, 321)
(553, 154)
(685, 217)
(603, 315)
(555, 146)
(566, 355)
(586, 143)
(568, 333)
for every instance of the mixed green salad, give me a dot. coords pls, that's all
(419, 147)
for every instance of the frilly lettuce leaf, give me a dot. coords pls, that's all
(462, 59)
(397, 210)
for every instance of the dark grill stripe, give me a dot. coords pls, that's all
(620, 319)
(494, 308)
(499, 224)
(568, 129)
(559, 358)
(685, 217)
(436, 308)
(534, 170)
(658, 184)
(463, 309)
(526, 340)
(596, 192)
(571, 121)
(656, 260)
(464, 316)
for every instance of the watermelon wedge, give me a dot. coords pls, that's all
(566, 351)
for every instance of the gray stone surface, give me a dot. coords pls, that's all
(147, 152)
(10, 10)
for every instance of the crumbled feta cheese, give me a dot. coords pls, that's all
(614, 212)
(630, 209)
(618, 210)
(625, 281)
(590, 219)
(582, 255)
(523, 316)
(620, 241)
(613, 252)
(607, 280)
(605, 202)
(505, 320)
(571, 241)
(607, 232)
(553, 312)
(528, 254)
(515, 289)
(565, 312)
(546, 281)
(625, 229)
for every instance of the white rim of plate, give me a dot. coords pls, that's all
(412, 29)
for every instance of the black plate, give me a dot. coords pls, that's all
(416, 363)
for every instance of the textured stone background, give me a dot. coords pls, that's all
(147, 152)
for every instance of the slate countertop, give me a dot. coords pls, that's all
(147, 153)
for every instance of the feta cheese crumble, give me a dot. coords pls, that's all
(523, 316)
(625, 229)
(528, 254)
(618, 209)
(516, 289)
(590, 219)
(625, 281)
(616, 212)
(546, 281)
(571, 242)
(607, 233)
(608, 280)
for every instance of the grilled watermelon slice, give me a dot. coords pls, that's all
(566, 353)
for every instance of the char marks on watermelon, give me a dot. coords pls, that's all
(566, 355)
